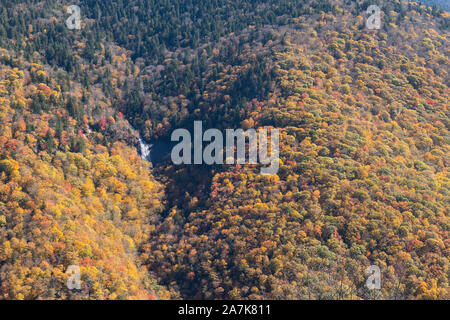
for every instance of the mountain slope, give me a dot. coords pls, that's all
(363, 180)
(364, 148)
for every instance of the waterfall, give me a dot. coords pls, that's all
(145, 149)
(155, 152)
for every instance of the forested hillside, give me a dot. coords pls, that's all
(444, 4)
(364, 150)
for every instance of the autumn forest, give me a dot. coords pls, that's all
(363, 180)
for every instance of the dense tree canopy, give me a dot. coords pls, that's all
(364, 151)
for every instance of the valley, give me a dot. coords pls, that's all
(86, 176)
